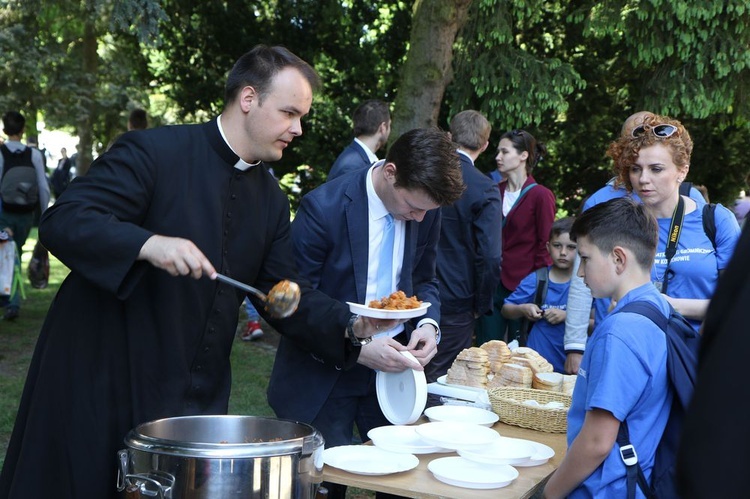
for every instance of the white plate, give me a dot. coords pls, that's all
(368, 460)
(461, 414)
(451, 435)
(380, 313)
(464, 473)
(513, 451)
(443, 381)
(402, 396)
(401, 439)
(543, 454)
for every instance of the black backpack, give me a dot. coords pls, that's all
(683, 343)
(19, 188)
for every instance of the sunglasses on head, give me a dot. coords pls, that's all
(662, 131)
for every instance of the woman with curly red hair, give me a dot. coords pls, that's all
(652, 161)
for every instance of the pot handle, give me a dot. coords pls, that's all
(136, 485)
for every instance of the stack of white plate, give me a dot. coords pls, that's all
(368, 460)
(461, 414)
(402, 439)
(512, 451)
(452, 435)
(461, 472)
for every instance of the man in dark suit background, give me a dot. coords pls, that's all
(372, 126)
(337, 235)
(470, 249)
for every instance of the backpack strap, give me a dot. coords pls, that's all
(685, 188)
(709, 222)
(634, 472)
(540, 294)
(628, 455)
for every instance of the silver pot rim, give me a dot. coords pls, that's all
(136, 439)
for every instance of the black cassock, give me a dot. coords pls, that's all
(125, 342)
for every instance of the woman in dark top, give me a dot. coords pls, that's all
(528, 213)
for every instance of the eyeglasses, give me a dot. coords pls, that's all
(662, 130)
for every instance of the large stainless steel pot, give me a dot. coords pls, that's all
(202, 457)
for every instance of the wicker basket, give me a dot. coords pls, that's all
(508, 404)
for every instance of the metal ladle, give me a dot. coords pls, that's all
(281, 301)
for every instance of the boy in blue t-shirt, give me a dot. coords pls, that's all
(623, 373)
(548, 331)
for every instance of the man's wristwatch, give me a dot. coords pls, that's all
(356, 341)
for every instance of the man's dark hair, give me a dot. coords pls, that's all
(259, 66)
(561, 226)
(427, 160)
(620, 222)
(138, 119)
(13, 123)
(369, 115)
(470, 130)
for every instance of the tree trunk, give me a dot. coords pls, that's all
(427, 70)
(88, 99)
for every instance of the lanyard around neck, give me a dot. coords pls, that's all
(673, 237)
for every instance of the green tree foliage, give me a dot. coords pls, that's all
(79, 62)
(571, 72)
(357, 47)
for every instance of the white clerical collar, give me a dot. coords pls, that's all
(241, 164)
(370, 155)
(375, 206)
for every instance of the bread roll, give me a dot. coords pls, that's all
(537, 364)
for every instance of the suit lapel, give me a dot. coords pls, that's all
(410, 248)
(357, 223)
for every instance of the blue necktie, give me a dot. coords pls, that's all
(385, 266)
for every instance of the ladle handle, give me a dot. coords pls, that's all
(241, 285)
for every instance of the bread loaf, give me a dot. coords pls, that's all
(470, 368)
(498, 354)
(547, 381)
(513, 375)
(568, 383)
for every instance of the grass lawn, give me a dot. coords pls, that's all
(251, 361)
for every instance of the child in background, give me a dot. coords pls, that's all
(623, 373)
(252, 330)
(548, 330)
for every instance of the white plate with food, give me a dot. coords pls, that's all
(368, 460)
(461, 472)
(401, 438)
(461, 414)
(443, 380)
(452, 435)
(384, 313)
(513, 451)
(542, 454)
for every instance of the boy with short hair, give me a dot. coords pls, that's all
(547, 333)
(623, 373)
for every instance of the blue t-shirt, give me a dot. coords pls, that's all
(624, 371)
(545, 338)
(695, 267)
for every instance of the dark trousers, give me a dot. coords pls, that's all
(353, 400)
(494, 326)
(456, 332)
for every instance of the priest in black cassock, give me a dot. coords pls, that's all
(139, 330)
